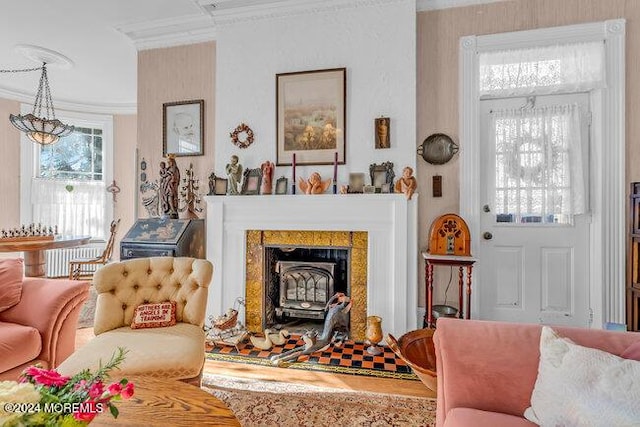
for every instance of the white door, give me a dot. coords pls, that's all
(534, 252)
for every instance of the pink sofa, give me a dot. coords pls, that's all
(487, 370)
(41, 328)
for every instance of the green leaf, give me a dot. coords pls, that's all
(114, 411)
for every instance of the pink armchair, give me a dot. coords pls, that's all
(487, 370)
(41, 328)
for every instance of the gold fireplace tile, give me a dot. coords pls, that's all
(255, 261)
(340, 238)
(253, 291)
(360, 239)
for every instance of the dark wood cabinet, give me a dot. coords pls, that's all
(633, 260)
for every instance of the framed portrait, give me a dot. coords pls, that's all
(282, 185)
(382, 131)
(381, 174)
(183, 128)
(251, 181)
(311, 117)
(356, 182)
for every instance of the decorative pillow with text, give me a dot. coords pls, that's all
(11, 272)
(581, 386)
(154, 315)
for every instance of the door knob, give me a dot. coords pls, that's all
(486, 208)
(487, 236)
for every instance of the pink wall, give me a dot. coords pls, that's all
(10, 174)
(169, 75)
(125, 128)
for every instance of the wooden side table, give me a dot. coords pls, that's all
(451, 260)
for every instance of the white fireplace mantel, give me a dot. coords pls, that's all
(389, 219)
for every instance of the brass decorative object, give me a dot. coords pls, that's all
(189, 194)
(374, 334)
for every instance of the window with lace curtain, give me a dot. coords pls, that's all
(68, 184)
(540, 168)
(539, 176)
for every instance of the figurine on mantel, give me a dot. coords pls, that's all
(234, 172)
(267, 177)
(315, 184)
(407, 184)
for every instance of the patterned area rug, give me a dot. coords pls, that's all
(350, 358)
(267, 403)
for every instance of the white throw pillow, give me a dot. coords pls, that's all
(581, 386)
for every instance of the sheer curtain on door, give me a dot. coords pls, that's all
(76, 207)
(540, 169)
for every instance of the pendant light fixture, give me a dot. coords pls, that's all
(41, 125)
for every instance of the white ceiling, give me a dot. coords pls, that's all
(100, 38)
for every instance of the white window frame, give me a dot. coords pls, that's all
(30, 158)
(607, 240)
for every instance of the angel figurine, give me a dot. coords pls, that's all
(314, 185)
(407, 184)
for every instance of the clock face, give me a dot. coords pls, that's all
(438, 149)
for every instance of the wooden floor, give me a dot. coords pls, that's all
(321, 379)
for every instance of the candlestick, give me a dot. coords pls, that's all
(335, 173)
(293, 185)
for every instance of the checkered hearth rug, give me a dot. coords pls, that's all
(349, 358)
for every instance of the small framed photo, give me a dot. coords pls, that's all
(282, 185)
(183, 128)
(251, 182)
(381, 174)
(356, 182)
(369, 189)
(220, 186)
(381, 131)
(386, 188)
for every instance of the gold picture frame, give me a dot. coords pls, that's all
(311, 117)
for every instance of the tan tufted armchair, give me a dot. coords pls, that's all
(175, 352)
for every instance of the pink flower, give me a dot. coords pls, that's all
(115, 389)
(80, 385)
(96, 389)
(127, 392)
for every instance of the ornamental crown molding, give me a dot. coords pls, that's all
(218, 14)
(169, 32)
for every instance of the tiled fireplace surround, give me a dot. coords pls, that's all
(388, 220)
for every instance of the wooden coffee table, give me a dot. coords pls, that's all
(160, 402)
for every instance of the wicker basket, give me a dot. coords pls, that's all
(416, 348)
(226, 322)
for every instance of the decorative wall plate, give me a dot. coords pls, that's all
(242, 136)
(438, 149)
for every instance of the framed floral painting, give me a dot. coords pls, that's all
(311, 117)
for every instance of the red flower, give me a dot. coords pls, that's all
(45, 377)
(115, 389)
(85, 416)
(127, 392)
(96, 389)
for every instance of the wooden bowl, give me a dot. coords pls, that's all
(416, 348)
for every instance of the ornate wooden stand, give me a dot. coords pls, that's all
(451, 260)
